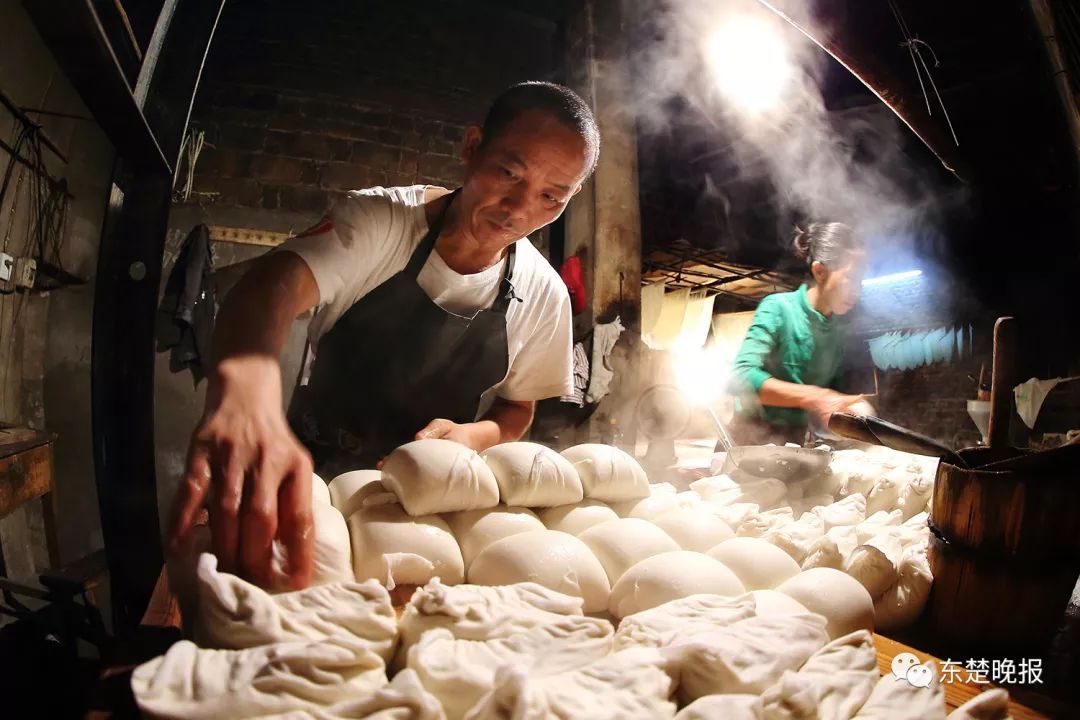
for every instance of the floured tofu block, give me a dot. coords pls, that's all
(608, 473)
(669, 576)
(833, 683)
(459, 672)
(840, 598)
(698, 529)
(349, 490)
(759, 564)
(437, 476)
(748, 656)
(531, 475)
(577, 518)
(663, 625)
(477, 529)
(632, 683)
(480, 612)
(620, 544)
(333, 552)
(556, 560)
(234, 614)
(735, 706)
(395, 548)
(194, 684)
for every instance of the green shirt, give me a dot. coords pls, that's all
(791, 341)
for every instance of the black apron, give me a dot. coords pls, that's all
(395, 361)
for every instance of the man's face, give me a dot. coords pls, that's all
(522, 179)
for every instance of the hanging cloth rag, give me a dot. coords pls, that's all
(572, 277)
(1031, 394)
(185, 316)
(652, 302)
(604, 338)
(581, 376)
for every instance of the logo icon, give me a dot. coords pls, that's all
(906, 666)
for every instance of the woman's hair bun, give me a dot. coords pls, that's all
(803, 242)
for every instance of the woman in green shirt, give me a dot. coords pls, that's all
(789, 362)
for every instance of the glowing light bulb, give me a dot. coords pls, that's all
(750, 62)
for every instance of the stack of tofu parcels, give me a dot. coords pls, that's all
(565, 585)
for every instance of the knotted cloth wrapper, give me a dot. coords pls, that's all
(192, 683)
(459, 672)
(234, 614)
(628, 684)
(832, 685)
(478, 612)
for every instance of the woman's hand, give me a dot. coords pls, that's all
(823, 403)
(255, 475)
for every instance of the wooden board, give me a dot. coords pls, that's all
(24, 476)
(956, 693)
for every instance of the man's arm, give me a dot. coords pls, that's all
(243, 454)
(506, 421)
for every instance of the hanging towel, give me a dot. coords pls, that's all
(185, 317)
(604, 338)
(581, 376)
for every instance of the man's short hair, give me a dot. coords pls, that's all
(561, 102)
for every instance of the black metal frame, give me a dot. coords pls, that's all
(146, 125)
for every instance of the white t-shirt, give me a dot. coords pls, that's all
(370, 235)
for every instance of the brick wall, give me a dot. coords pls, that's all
(303, 101)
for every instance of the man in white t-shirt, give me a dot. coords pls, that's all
(436, 319)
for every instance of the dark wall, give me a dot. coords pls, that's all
(302, 101)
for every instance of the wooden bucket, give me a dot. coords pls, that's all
(1005, 552)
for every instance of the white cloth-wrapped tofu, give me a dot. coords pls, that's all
(987, 705)
(333, 553)
(734, 706)
(662, 497)
(873, 569)
(577, 518)
(628, 684)
(459, 672)
(320, 493)
(556, 560)
(477, 529)
(669, 576)
(663, 625)
(349, 490)
(234, 614)
(748, 656)
(696, 529)
(191, 683)
(608, 473)
(849, 511)
(437, 476)
(773, 602)
(796, 538)
(398, 549)
(840, 598)
(759, 564)
(903, 602)
(478, 612)
(832, 685)
(620, 544)
(531, 475)
(403, 699)
(896, 698)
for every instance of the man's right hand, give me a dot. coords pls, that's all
(255, 477)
